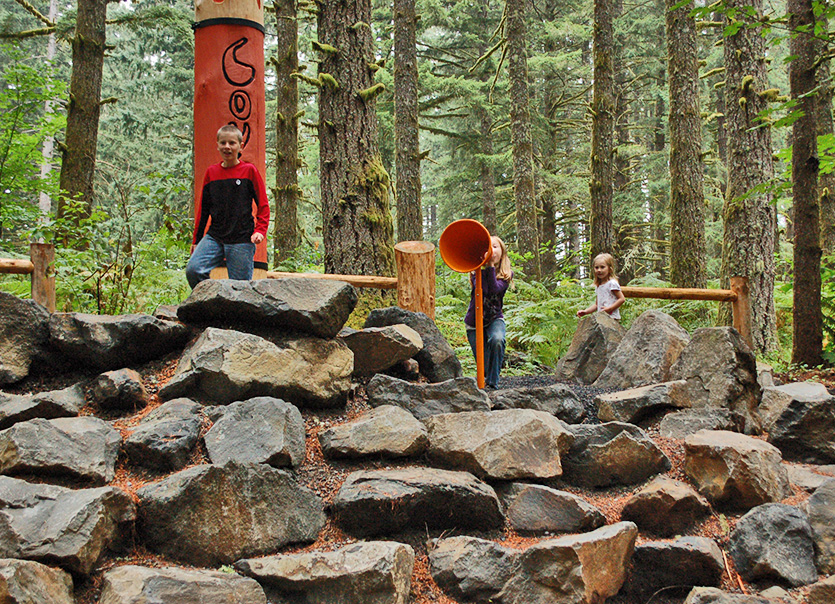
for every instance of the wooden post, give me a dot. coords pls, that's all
(742, 308)
(416, 276)
(43, 275)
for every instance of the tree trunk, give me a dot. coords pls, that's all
(357, 225)
(602, 129)
(523, 185)
(750, 217)
(487, 180)
(826, 182)
(687, 199)
(807, 330)
(409, 218)
(79, 157)
(44, 201)
(286, 193)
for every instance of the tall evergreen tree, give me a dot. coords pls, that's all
(826, 182)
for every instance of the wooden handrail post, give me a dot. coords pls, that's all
(742, 308)
(43, 277)
(416, 276)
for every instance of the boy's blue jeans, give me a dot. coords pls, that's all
(210, 253)
(494, 344)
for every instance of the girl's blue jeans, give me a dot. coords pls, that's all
(210, 253)
(494, 344)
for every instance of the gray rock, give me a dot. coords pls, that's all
(806, 479)
(682, 564)
(209, 515)
(774, 541)
(165, 439)
(635, 404)
(585, 568)
(775, 593)
(167, 312)
(24, 333)
(374, 572)
(471, 569)
(386, 431)
(776, 399)
(424, 400)
(317, 307)
(665, 507)
(111, 342)
(25, 582)
(260, 430)
(821, 509)
(714, 595)
(219, 366)
(379, 348)
(15, 408)
(803, 431)
(681, 424)
(534, 508)
(69, 528)
(437, 359)
(765, 375)
(380, 502)
(646, 353)
(595, 341)
(557, 399)
(735, 470)
(500, 445)
(140, 585)
(611, 454)
(121, 389)
(720, 371)
(78, 447)
(822, 592)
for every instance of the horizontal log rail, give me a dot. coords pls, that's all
(39, 265)
(14, 266)
(355, 280)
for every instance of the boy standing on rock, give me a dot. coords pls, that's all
(229, 190)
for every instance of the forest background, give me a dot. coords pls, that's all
(598, 129)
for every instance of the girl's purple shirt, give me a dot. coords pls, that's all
(493, 291)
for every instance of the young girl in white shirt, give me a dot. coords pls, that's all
(606, 286)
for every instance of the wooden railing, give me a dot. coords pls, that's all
(39, 265)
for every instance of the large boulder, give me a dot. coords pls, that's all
(169, 585)
(120, 390)
(380, 502)
(16, 408)
(471, 569)
(379, 348)
(804, 429)
(226, 365)
(646, 353)
(209, 515)
(499, 445)
(535, 508)
(611, 454)
(318, 307)
(774, 542)
(665, 507)
(720, 371)
(386, 431)
(821, 508)
(594, 342)
(822, 592)
(678, 565)
(714, 595)
(557, 399)
(112, 342)
(734, 470)
(437, 358)
(681, 424)
(24, 332)
(635, 404)
(69, 528)
(424, 400)
(165, 438)
(26, 582)
(372, 572)
(79, 447)
(260, 430)
(776, 399)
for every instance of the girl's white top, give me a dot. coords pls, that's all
(605, 297)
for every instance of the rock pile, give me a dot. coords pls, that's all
(439, 470)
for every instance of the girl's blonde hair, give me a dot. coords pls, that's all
(610, 262)
(503, 271)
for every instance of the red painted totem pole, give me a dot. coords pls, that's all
(229, 87)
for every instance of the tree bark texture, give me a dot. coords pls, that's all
(749, 215)
(409, 216)
(488, 181)
(602, 129)
(826, 182)
(527, 233)
(807, 330)
(286, 193)
(79, 157)
(687, 199)
(357, 225)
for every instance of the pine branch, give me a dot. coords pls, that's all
(36, 13)
(32, 33)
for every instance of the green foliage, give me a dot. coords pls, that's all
(828, 308)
